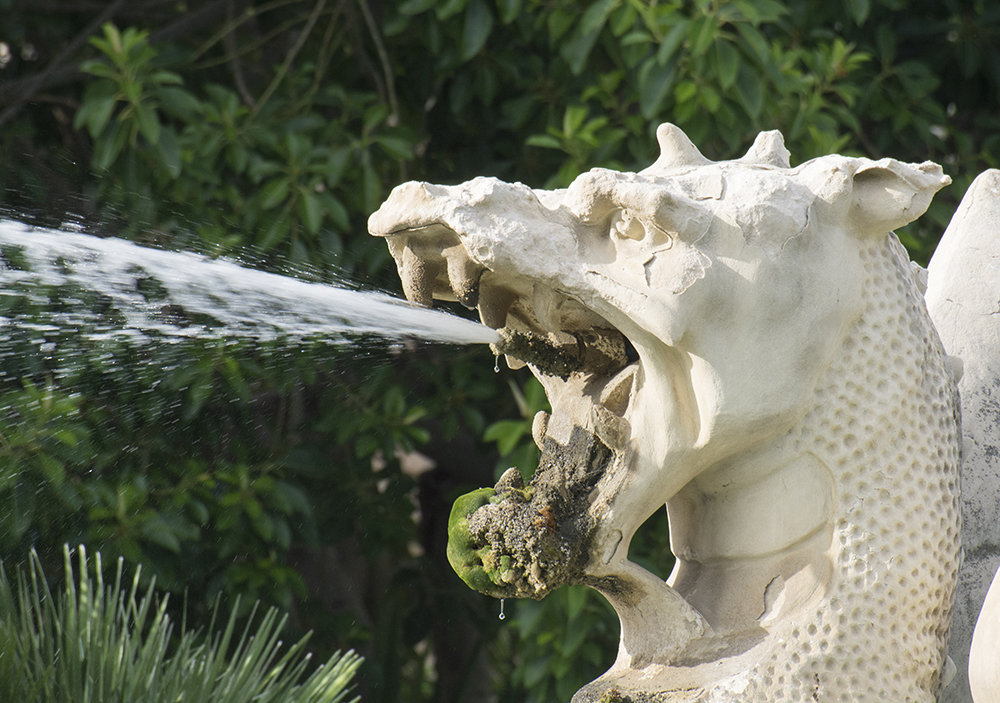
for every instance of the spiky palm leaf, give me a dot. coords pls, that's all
(108, 643)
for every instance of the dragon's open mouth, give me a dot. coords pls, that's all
(538, 324)
(515, 540)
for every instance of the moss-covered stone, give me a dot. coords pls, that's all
(539, 352)
(473, 562)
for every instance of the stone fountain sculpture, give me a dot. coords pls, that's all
(747, 344)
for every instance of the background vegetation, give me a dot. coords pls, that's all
(97, 641)
(268, 130)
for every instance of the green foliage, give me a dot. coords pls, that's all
(104, 642)
(131, 79)
(513, 437)
(562, 641)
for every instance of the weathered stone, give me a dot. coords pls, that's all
(778, 385)
(963, 297)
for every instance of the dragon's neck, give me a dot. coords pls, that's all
(828, 511)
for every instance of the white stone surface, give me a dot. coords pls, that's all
(791, 405)
(963, 297)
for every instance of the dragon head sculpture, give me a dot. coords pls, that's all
(745, 343)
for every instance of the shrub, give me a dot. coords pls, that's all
(96, 642)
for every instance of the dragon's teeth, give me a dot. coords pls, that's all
(494, 304)
(513, 363)
(418, 279)
(546, 305)
(613, 430)
(463, 275)
(618, 391)
(539, 425)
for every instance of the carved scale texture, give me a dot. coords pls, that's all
(885, 424)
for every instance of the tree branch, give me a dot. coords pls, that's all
(323, 58)
(236, 62)
(84, 6)
(38, 81)
(16, 94)
(383, 55)
(292, 53)
(234, 24)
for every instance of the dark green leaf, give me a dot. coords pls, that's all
(509, 10)
(762, 11)
(337, 212)
(535, 671)
(109, 146)
(597, 14)
(702, 33)
(860, 9)
(274, 192)
(311, 211)
(755, 43)
(275, 230)
(727, 60)
(655, 81)
(576, 599)
(748, 9)
(179, 102)
(449, 8)
(165, 78)
(750, 91)
(170, 151)
(577, 48)
(148, 122)
(414, 7)
(396, 147)
(372, 188)
(543, 140)
(94, 114)
(670, 43)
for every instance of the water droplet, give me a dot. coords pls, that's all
(502, 616)
(496, 365)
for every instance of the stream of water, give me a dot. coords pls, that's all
(111, 287)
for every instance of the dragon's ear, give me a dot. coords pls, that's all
(887, 194)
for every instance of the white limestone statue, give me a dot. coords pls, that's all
(963, 297)
(747, 344)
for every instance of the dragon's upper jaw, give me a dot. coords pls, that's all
(547, 328)
(498, 248)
